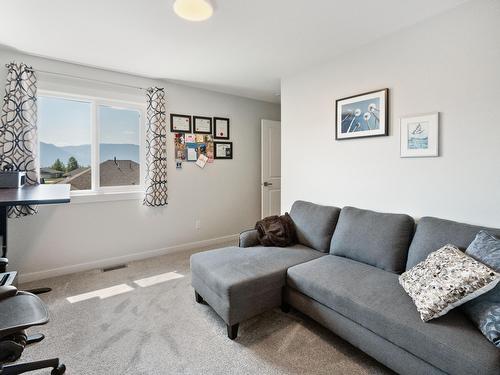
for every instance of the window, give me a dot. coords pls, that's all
(91, 144)
(119, 154)
(65, 129)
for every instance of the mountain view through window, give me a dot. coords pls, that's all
(119, 146)
(67, 144)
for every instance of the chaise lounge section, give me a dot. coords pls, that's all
(242, 282)
(350, 285)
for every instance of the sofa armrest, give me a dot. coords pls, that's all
(249, 238)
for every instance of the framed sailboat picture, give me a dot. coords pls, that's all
(420, 136)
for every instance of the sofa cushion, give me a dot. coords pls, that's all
(373, 298)
(252, 270)
(314, 224)
(240, 283)
(433, 233)
(374, 238)
(484, 311)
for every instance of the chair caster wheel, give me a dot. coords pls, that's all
(59, 370)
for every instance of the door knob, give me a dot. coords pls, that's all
(267, 183)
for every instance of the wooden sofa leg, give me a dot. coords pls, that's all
(197, 297)
(232, 331)
(285, 307)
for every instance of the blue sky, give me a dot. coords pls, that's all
(65, 122)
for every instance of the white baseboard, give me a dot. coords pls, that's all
(40, 275)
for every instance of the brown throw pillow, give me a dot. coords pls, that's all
(277, 231)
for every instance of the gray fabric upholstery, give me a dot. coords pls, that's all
(373, 298)
(314, 224)
(394, 357)
(433, 233)
(249, 238)
(374, 238)
(484, 310)
(242, 282)
(239, 307)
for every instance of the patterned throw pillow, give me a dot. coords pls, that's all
(445, 280)
(484, 311)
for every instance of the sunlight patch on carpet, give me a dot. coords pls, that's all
(101, 293)
(148, 281)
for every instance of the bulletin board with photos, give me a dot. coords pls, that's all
(194, 139)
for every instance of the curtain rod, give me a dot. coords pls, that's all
(84, 78)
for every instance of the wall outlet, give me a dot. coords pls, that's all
(197, 224)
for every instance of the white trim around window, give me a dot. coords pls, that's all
(111, 193)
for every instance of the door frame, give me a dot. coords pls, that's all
(261, 163)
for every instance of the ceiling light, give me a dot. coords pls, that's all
(193, 10)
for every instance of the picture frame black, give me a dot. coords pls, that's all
(202, 118)
(225, 119)
(173, 116)
(230, 156)
(383, 113)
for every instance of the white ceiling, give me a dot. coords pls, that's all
(244, 49)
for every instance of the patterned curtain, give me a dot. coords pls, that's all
(156, 149)
(18, 129)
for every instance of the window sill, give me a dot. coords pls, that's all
(92, 197)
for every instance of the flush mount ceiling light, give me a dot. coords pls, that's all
(193, 10)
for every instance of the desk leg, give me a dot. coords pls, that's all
(3, 233)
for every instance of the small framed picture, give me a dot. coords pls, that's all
(363, 115)
(223, 150)
(202, 125)
(221, 128)
(420, 136)
(180, 123)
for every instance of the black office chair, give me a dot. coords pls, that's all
(19, 311)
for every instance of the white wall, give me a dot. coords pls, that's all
(450, 64)
(225, 196)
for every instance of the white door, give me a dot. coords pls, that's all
(271, 168)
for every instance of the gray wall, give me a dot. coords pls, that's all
(225, 196)
(450, 64)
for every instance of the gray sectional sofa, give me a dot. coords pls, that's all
(344, 274)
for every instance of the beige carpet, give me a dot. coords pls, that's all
(160, 329)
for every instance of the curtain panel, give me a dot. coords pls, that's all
(18, 129)
(156, 149)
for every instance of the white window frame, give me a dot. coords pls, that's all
(106, 193)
